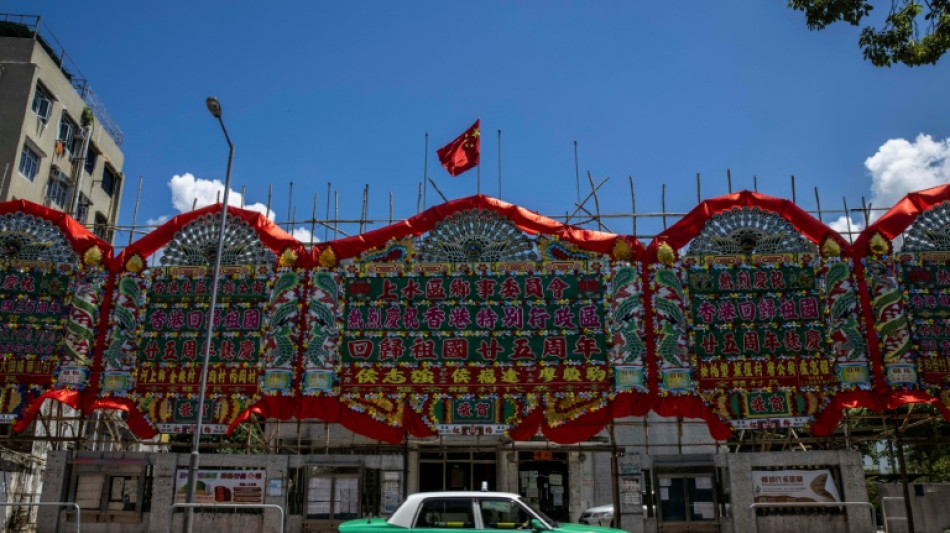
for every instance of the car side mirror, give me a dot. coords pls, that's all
(538, 525)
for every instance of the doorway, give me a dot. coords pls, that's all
(456, 470)
(543, 482)
(687, 502)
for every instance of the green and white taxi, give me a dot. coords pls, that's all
(459, 512)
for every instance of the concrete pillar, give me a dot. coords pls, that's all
(55, 489)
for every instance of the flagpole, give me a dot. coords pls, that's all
(577, 174)
(478, 167)
(425, 172)
(499, 164)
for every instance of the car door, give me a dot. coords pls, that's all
(503, 513)
(438, 514)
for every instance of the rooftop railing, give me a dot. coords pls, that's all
(31, 26)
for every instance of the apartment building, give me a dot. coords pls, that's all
(59, 147)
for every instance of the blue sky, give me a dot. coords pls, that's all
(344, 92)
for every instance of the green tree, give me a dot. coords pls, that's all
(914, 33)
(926, 456)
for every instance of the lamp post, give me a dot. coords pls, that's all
(215, 108)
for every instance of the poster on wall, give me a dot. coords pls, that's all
(790, 486)
(223, 486)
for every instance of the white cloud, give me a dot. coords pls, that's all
(189, 192)
(157, 221)
(303, 235)
(901, 166)
(841, 226)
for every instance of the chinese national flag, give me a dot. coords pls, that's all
(462, 153)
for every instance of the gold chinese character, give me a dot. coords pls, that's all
(367, 375)
(487, 376)
(423, 375)
(394, 376)
(572, 374)
(461, 375)
(596, 373)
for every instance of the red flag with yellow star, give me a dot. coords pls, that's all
(462, 153)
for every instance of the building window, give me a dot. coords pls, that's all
(29, 163)
(108, 180)
(42, 103)
(57, 188)
(91, 157)
(101, 228)
(325, 492)
(89, 490)
(67, 133)
(110, 490)
(82, 209)
(123, 493)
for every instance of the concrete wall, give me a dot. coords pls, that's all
(930, 504)
(16, 82)
(57, 480)
(20, 478)
(853, 489)
(23, 64)
(737, 494)
(591, 483)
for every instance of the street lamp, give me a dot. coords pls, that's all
(215, 108)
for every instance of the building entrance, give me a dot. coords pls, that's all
(687, 503)
(542, 480)
(456, 470)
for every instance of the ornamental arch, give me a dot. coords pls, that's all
(478, 323)
(906, 269)
(480, 315)
(153, 349)
(755, 317)
(53, 288)
(746, 313)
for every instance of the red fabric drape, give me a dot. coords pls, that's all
(81, 240)
(136, 420)
(677, 237)
(902, 215)
(528, 221)
(69, 397)
(275, 238)
(78, 236)
(894, 222)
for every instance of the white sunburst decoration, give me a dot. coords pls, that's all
(28, 238)
(749, 231)
(476, 235)
(930, 232)
(197, 243)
